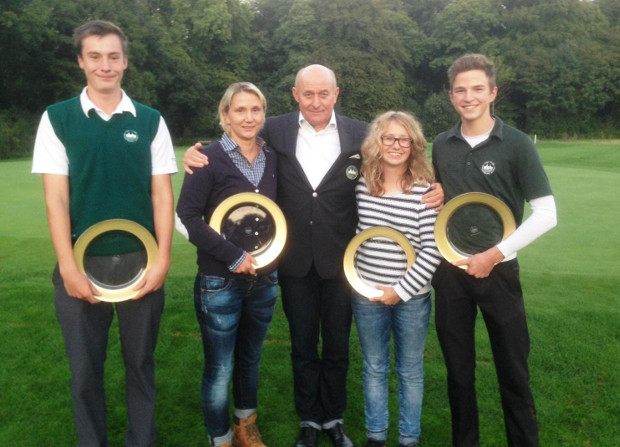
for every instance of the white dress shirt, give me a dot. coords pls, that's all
(317, 151)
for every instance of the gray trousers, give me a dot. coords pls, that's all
(85, 330)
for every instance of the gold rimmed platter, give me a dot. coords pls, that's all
(472, 223)
(350, 271)
(254, 223)
(116, 292)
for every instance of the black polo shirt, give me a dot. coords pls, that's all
(506, 166)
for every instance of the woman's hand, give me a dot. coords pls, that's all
(247, 266)
(389, 297)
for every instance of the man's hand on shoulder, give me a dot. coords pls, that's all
(193, 158)
(435, 197)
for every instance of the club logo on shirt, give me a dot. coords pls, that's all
(352, 172)
(488, 168)
(131, 136)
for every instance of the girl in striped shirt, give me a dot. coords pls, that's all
(395, 175)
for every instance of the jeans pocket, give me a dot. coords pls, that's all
(214, 283)
(271, 279)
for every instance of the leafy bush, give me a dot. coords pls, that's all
(438, 115)
(17, 132)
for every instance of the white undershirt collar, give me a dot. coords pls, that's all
(126, 105)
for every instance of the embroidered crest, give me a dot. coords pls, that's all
(352, 172)
(130, 136)
(488, 167)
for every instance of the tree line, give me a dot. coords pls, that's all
(557, 60)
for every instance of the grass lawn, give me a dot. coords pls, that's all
(570, 279)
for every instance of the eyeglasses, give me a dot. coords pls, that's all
(389, 140)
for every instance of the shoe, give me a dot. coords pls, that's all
(411, 444)
(338, 436)
(375, 443)
(308, 437)
(246, 434)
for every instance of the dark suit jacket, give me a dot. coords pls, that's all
(320, 222)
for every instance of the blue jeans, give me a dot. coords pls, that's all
(408, 322)
(234, 315)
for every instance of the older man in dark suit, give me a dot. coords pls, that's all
(318, 168)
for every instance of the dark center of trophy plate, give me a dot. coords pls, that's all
(474, 228)
(115, 259)
(249, 227)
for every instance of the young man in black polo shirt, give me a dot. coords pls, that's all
(482, 154)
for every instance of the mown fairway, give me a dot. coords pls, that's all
(570, 280)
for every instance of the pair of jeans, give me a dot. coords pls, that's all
(317, 307)
(234, 315)
(407, 322)
(500, 299)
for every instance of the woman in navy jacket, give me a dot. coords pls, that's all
(234, 300)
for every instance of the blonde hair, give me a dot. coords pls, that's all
(418, 170)
(230, 92)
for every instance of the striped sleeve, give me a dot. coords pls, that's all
(418, 277)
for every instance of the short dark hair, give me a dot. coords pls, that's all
(99, 28)
(470, 62)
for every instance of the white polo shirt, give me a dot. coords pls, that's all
(50, 155)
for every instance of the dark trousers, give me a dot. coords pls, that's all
(85, 330)
(499, 297)
(313, 307)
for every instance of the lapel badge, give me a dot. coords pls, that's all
(352, 172)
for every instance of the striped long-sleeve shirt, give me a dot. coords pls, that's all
(380, 261)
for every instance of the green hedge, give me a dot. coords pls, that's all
(17, 132)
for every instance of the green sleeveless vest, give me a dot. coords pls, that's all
(109, 170)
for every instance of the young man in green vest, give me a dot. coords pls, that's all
(105, 156)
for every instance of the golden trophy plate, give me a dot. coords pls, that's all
(472, 223)
(252, 222)
(350, 271)
(115, 292)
